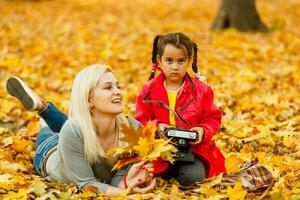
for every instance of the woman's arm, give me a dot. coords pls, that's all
(71, 147)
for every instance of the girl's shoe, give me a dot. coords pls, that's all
(17, 88)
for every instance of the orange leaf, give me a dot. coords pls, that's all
(91, 188)
(125, 161)
(130, 134)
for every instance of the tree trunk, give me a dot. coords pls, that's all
(239, 14)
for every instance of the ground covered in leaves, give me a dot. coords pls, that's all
(255, 78)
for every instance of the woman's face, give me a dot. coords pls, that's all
(107, 96)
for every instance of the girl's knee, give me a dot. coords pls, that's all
(189, 174)
(189, 179)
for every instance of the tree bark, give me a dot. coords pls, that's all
(239, 14)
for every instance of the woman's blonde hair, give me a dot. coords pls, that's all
(84, 83)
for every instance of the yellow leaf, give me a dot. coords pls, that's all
(33, 128)
(144, 147)
(22, 145)
(277, 161)
(6, 106)
(116, 151)
(210, 182)
(21, 194)
(39, 188)
(208, 192)
(3, 130)
(232, 164)
(162, 148)
(5, 177)
(237, 192)
(175, 193)
(216, 197)
(7, 141)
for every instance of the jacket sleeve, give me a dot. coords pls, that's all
(143, 111)
(211, 116)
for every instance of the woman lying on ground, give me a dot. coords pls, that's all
(72, 148)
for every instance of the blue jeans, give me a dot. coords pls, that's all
(48, 136)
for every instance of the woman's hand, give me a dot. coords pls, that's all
(146, 189)
(161, 127)
(200, 132)
(140, 174)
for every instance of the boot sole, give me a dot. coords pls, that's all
(15, 88)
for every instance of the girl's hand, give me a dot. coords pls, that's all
(200, 132)
(161, 127)
(139, 174)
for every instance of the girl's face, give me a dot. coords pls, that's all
(107, 96)
(174, 62)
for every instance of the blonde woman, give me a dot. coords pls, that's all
(72, 149)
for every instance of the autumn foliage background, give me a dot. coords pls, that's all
(255, 77)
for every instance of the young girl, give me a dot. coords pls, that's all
(77, 153)
(174, 99)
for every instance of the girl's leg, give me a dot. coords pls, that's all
(191, 173)
(53, 117)
(45, 141)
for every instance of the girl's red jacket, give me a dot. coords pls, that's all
(195, 107)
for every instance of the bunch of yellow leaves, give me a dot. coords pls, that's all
(141, 144)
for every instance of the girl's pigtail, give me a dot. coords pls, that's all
(194, 64)
(154, 57)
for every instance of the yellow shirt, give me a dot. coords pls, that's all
(172, 96)
(172, 101)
